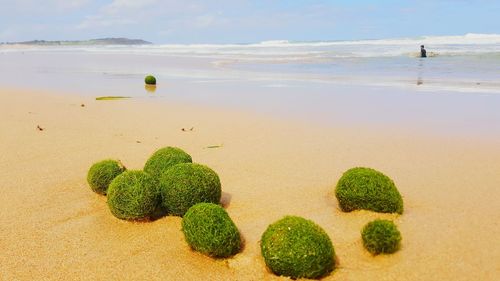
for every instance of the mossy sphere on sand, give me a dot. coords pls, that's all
(165, 158)
(381, 237)
(209, 229)
(368, 189)
(102, 173)
(133, 195)
(298, 248)
(187, 184)
(150, 80)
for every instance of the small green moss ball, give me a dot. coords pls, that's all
(187, 184)
(150, 80)
(381, 237)
(298, 248)
(165, 158)
(208, 229)
(368, 189)
(102, 173)
(133, 195)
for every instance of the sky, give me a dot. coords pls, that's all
(243, 21)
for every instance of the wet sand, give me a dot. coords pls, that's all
(53, 227)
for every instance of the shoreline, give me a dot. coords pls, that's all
(375, 110)
(56, 228)
(461, 70)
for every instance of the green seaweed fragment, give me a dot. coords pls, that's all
(111, 98)
(214, 146)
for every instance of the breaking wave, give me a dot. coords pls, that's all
(284, 50)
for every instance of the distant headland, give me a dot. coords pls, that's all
(100, 41)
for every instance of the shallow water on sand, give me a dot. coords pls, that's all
(397, 93)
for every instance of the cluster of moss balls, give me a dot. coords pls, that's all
(293, 246)
(298, 248)
(169, 180)
(368, 189)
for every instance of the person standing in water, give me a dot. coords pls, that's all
(423, 52)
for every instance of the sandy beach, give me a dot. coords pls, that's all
(53, 227)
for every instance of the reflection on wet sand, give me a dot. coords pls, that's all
(420, 79)
(150, 88)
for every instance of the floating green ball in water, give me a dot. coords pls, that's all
(102, 173)
(150, 80)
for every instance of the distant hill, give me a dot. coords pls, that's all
(101, 41)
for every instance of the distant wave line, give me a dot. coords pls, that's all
(283, 50)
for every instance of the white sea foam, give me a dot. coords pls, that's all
(464, 63)
(284, 50)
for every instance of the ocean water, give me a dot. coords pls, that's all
(468, 63)
(378, 82)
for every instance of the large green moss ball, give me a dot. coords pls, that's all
(150, 80)
(381, 237)
(209, 229)
(165, 158)
(133, 195)
(102, 173)
(368, 189)
(298, 248)
(187, 184)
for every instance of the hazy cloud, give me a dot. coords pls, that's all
(215, 21)
(47, 6)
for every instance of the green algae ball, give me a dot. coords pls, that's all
(187, 184)
(150, 80)
(102, 173)
(133, 195)
(381, 237)
(165, 158)
(298, 248)
(208, 229)
(368, 189)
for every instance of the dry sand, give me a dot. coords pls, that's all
(53, 227)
